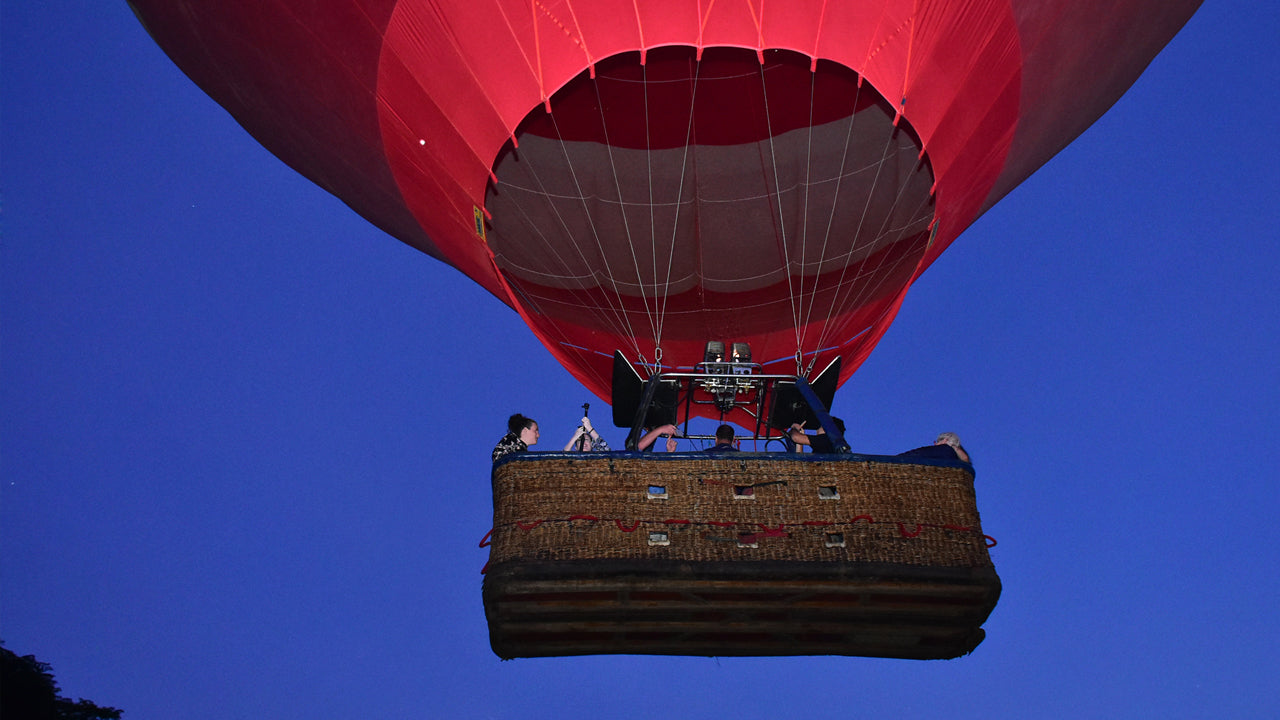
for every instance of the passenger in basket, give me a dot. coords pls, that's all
(946, 447)
(668, 431)
(586, 438)
(521, 433)
(818, 442)
(724, 440)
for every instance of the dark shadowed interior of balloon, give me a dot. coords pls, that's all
(664, 203)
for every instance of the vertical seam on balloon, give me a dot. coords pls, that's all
(906, 69)
(698, 54)
(817, 37)
(457, 48)
(635, 7)
(537, 54)
(518, 45)
(580, 38)
(702, 24)
(758, 19)
(873, 51)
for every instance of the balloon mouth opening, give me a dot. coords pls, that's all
(690, 198)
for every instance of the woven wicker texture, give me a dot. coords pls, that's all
(740, 507)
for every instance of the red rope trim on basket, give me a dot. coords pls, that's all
(779, 531)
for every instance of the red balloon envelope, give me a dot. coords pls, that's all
(645, 176)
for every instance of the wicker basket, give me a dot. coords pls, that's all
(738, 554)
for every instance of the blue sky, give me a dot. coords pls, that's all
(244, 436)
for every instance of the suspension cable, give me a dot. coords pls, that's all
(835, 197)
(786, 253)
(619, 322)
(626, 222)
(862, 220)
(620, 307)
(678, 204)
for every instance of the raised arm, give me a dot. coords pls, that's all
(654, 434)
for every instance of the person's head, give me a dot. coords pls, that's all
(524, 428)
(724, 435)
(948, 438)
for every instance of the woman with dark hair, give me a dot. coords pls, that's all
(521, 433)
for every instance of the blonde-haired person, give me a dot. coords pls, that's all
(946, 447)
(952, 441)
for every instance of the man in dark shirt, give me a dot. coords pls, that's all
(724, 440)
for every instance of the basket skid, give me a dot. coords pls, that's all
(600, 607)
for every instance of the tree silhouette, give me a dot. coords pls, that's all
(29, 692)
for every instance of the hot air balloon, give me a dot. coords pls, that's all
(646, 182)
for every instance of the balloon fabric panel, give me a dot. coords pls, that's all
(649, 176)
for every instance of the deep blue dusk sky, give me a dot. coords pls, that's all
(244, 436)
